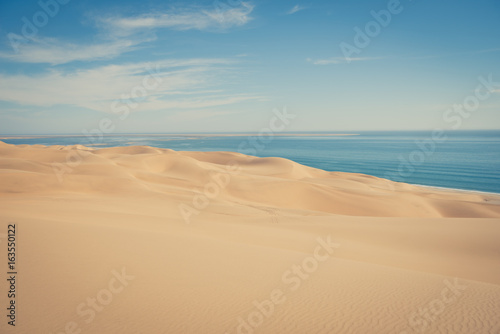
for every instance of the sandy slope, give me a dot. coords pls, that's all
(147, 240)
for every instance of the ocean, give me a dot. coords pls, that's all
(468, 160)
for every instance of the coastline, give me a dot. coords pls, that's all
(133, 150)
(458, 190)
(97, 147)
(281, 134)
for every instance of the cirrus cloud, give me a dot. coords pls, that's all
(120, 34)
(213, 19)
(187, 83)
(295, 9)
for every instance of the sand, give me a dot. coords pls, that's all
(147, 240)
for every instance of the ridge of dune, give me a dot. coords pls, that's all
(400, 245)
(267, 181)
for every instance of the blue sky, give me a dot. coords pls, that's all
(222, 66)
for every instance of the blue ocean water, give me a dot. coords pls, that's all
(467, 160)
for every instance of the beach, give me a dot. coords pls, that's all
(146, 240)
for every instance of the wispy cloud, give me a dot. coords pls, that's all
(119, 35)
(184, 84)
(470, 52)
(186, 19)
(339, 60)
(295, 9)
(344, 60)
(53, 51)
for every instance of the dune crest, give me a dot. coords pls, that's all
(277, 182)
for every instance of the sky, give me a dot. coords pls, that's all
(69, 66)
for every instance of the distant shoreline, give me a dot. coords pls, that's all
(189, 135)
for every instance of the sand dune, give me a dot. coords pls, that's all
(147, 240)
